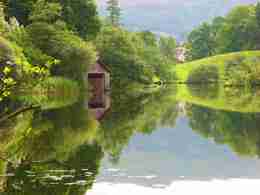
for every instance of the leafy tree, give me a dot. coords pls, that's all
(258, 22)
(149, 38)
(2, 19)
(258, 13)
(118, 50)
(240, 31)
(43, 11)
(114, 12)
(168, 48)
(81, 16)
(73, 53)
(201, 42)
(20, 9)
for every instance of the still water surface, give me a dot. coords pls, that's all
(145, 143)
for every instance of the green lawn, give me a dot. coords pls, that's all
(226, 97)
(236, 99)
(184, 70)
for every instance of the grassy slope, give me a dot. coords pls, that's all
(250, 102)
(241, 101)
(183, 70)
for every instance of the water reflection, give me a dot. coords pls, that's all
(149, 137)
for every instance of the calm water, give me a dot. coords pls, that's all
(173, 140)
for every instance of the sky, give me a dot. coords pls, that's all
(170, 17)
(141, 2)
(135, 3)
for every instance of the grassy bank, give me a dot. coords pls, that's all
(242, 100)
(232, 69)
(53, 92)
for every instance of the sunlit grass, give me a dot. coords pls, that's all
(229, 99)
(184, 70)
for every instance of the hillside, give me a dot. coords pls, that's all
(241, 59)
(175, 17)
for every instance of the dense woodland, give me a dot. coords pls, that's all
(61, 39)
(239, 30)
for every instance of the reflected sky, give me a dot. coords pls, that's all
(154, 143)
(172, 157)
(215, 187)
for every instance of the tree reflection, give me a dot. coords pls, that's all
(73, 176)
(58, 150)
(238, 130)
(136, 113)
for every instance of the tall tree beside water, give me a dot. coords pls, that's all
(114, 12)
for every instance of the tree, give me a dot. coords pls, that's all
(20, 10)
(149, 38)
(201, 42)
(73, 53)
(240, 31)
(168, 48)
(257, 10)
(82, 17)
(2, 19)
(238, 130)
(258, 13)
(114, 12)
(43, 11)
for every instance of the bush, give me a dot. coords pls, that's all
(7, 72)
(53, 92)
(6, 51)
(241, 71)
(205, 91)
(204, 75)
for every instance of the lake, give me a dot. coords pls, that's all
(165, 140)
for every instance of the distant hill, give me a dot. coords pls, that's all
(175, 17)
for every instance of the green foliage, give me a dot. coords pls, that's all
(240, 30)
(237, 31)
(43, 11)
(257, 9)
(6, 50)
(242, 71)
(168, 48)
(7, 69)
(20, 10)
(81, 16)
(114, 12)
(118, 50)
(51, 93)
(74, 176)
(2, 20)
(74, 54)
(241, 68)
(135, 112)
(204, 74)
(201, 42)
(148, 38)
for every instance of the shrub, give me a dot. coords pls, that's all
(7, 71)
(6, 50)
(204, 74)
(242, 71)
(205, 91)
